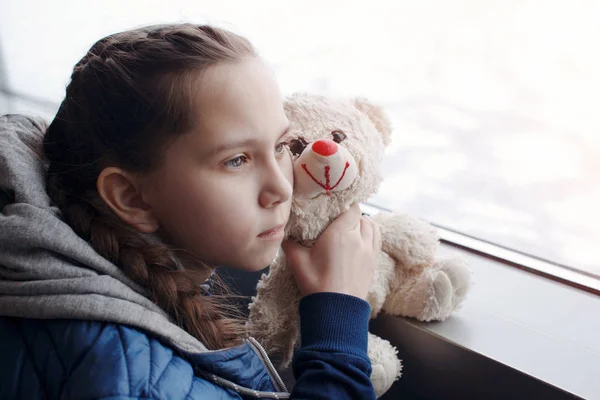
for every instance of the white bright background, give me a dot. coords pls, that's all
(495, 103)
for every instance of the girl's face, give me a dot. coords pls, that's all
(224, 190)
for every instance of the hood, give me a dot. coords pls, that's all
(46, 270)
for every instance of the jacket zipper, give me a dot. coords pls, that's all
(268, 364)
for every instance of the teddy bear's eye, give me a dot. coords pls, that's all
(338, 136)
(298, 145)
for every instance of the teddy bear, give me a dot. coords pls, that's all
(337, 149)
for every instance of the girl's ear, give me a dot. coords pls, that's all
(120, 192)
(378, 116)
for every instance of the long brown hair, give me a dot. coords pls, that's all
(128, 97)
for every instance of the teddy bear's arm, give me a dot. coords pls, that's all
(423, 287)
(411, 242)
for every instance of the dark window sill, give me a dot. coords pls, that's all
(519, 336)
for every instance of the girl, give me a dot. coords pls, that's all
(167, 158)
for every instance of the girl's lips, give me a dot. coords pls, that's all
(273, 233)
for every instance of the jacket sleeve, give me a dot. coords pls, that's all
(332, 362)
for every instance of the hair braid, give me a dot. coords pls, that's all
(126, 84)
(152, 265)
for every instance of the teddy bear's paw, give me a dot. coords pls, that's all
(386, 367)
(459, 274)
(425, 297)
(445, 284)
(438, 290)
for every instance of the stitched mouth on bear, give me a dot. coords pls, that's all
(327, 186)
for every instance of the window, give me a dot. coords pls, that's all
(494, 103)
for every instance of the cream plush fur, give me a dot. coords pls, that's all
(409, 281)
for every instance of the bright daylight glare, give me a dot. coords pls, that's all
(494, 103)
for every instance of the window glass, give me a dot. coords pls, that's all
(497, 133)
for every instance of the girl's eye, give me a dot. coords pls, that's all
(297, 146)
(338, 136)
(280, 148)
(236, 162)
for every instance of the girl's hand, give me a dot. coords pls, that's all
(342, 260)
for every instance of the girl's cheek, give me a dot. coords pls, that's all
(289, 169)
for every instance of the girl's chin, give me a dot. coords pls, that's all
(265, 260)
(260, 257)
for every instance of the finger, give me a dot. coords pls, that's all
(349, 219)
(295, 252)
(366, 230)
(298, 261)
(376, 236)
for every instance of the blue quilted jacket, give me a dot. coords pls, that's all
(70, 359)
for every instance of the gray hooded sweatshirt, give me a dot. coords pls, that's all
(46, 270)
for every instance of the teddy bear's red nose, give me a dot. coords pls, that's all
(325, 147)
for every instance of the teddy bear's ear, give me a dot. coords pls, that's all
(378, 116)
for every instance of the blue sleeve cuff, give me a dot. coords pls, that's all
(334, 322)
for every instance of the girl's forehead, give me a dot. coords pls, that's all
(232, 84)
(241, 98)
(237, 102)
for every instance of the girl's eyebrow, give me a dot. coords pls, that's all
(244, 143)
(234, 145)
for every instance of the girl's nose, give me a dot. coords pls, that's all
(325, 147)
